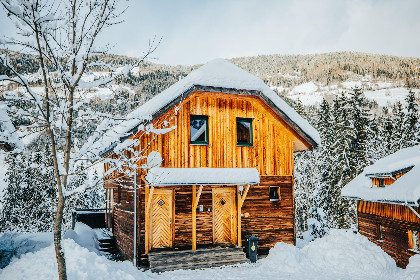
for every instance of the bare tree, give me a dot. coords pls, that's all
(63, 35)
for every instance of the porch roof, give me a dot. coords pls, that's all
(202, 176)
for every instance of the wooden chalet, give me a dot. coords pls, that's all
(388, 198)
(226, 171)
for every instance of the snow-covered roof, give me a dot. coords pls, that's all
(405, 190)
(202, 176)
(219, 74)
(9, 138)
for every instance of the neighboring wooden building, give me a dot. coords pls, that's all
(388, 198)
(227, 169)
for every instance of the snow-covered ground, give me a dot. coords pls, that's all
(340, 255)
(385, 93)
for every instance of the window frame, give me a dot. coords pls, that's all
(200, 117)
(278, 193)
(251, 132)
(412, 235)
(379, 232)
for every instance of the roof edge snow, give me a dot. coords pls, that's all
(161, 176)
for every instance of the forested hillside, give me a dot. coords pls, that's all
(355, 130)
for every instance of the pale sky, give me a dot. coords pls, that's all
(195, 32)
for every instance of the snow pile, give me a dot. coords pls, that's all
(216, 73)
(339, 255)
(84, 236)
(14, 244)
(202, 176)
(81, 264)
(405, 190)
(412, 270)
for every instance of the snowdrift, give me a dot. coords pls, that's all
(339, 255)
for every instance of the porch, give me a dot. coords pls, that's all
(186, 208)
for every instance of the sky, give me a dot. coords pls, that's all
(194, 32)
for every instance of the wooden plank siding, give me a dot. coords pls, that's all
(394, 234)
(271, 154)
(396, 220)
(273, 141)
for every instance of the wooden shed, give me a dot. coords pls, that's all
(388, 198)
(226, 171)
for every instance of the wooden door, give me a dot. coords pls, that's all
(161, 219)
(224, 215)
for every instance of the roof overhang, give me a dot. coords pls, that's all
(389, 174)
(202, 176)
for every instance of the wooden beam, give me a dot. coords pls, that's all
(148, 198)
(194, 218)
(244, 195)
(241, 199)
(200, 189)
(239, 217)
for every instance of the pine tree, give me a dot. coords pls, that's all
(411, 123)
(359, 144)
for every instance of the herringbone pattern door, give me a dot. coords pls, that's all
(161, 217)
(224, 206)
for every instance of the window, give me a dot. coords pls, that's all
(413, 240)
(379, 235)
(275, 193)
(199, 129)
(381, 182)
(243, 132)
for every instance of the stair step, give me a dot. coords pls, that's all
(201, 265)
(156, 255)
(202, 258)
(193, 259)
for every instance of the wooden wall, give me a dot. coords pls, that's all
(396, 220)
(387, 180)
(271, 221)
(272, 154)
(273, 139)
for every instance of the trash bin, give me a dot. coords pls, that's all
(252, 248)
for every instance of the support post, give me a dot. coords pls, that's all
(239, 217)
(241, 199)
(148, 198)
(106, 208)
(195, 200)
(194, 218)
(135, 219)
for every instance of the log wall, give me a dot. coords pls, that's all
(396, 220)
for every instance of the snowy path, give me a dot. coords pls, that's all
(340, 255)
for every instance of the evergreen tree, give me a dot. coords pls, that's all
(359, 144)
(411, 123)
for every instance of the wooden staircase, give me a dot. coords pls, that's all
(108, 245)
(201, 258)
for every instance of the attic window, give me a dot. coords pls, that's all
(275, 193)
(381, 182)
(244, 131)
(199, 130)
